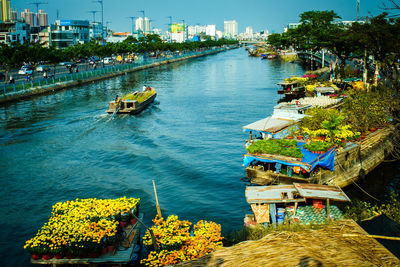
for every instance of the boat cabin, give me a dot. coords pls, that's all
(303, 203)
(293, 88)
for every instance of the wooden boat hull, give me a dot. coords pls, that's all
(350, 164)
(129, 107)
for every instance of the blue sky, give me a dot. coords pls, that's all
(259, 14)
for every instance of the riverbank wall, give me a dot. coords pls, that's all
(77, 79)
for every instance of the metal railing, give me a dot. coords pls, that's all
(91, 73)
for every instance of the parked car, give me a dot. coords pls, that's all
(93, 60)
(64, 63)
(42, 68)
(108, 60)
(27, 69)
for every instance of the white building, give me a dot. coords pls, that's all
(230, 29)
(143, 24)
(219, 34)
(210, 30)
(196, 30)
(249, 30)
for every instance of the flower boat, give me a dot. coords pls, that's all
(340, 167)
(132, 103)
(88, 231)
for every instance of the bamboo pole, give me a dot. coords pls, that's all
(157, 205)
(373, 236)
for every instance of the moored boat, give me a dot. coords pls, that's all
(351, 163)
(132, 103)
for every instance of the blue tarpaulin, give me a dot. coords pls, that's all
(309, 161)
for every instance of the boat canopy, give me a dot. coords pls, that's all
(269, 125)
(293, 193)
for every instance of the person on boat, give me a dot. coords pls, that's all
(148, 88)
(116, 99)
(45, 75)
(144, 88)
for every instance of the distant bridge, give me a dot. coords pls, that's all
(316, 58)
(252, 42)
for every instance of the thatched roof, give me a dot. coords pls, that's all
(324, 247)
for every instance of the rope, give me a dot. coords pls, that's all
(357, 184)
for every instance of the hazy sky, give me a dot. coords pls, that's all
(260, 14)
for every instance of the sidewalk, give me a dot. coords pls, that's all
(13, 92)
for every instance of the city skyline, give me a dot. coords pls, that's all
(260, 15)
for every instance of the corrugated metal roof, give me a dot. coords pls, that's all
(271, 194)
(321, 191)
(293, 193)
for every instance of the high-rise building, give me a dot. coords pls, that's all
(65, 33)
(139, 25)
(249, 30)
(28, 17)
(143, 24)
(147, 25)
(5, 10)
(42, 18)
(210, 30)
(14, 15)
(231, 28)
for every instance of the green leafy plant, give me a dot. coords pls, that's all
(276, 146)
(319, 146)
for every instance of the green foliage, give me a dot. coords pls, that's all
(319, 115)
(276, 146)
(360, 210)
(366, 110)
(319, 146)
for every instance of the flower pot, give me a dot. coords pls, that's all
(69, 256)
(133, 221)
(36, 256)
(289, 137)
(93, 254)
(372, 130)
(58, 256)
(299, 137)
(111, 248)
(82, 255)
(47, 256)
(123, 224)
(104, 250)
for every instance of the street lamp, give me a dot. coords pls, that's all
(94, 21)
(107, 22)
(102, 20)
(133, 19)
(37, 3)
(169, 28)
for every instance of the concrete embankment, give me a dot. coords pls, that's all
(45, 89)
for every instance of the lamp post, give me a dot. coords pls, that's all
(169, 30)
(132, 19)
(107, 22)
(102, 20)
(37, 3)
(94, 21)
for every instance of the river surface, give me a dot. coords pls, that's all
(64, 146)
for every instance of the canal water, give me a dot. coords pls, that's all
(64, 146)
